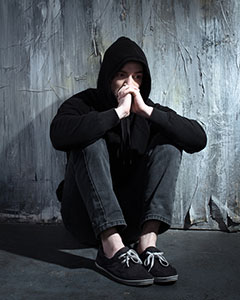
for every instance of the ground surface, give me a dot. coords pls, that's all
(45, 262)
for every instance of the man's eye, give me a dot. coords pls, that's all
(120, 75)
(138, 77)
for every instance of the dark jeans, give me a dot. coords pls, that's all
(98, 196)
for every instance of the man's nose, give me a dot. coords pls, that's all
(129, 80)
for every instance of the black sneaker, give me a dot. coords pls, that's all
(125, 267)
(157, 265)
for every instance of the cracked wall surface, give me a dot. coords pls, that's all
(50, 50)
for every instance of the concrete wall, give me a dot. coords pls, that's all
(51, 49)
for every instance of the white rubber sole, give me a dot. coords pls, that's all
(142, 282)
(166, 279)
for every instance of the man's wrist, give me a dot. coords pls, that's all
(121, 112)
(146, 112)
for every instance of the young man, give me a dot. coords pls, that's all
(124, 154)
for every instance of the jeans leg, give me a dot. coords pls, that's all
(73, 210)
(91, 168)
(163, 162)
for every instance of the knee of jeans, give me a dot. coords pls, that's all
(97, 149)
(167, 151)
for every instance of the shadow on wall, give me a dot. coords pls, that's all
(32, 171)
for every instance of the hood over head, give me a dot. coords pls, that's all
(123, 50)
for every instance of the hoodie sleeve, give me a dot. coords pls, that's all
(186, 133)
(77, 125)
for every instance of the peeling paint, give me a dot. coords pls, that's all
(223, 215)
(53, 49)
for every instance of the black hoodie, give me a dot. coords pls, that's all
(90, 115)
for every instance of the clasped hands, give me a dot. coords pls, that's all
(130, 100)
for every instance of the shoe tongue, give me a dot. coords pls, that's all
(121, 251)
(152, 249)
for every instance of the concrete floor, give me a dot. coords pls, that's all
(45, 262)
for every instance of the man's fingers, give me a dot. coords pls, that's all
(127, 90)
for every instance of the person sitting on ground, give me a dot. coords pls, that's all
(124, 154)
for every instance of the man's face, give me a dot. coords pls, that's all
(131, 74)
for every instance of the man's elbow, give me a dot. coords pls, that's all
(198, 145)
(55, 139)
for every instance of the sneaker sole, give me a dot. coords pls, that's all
(166, 279)
(142, 282)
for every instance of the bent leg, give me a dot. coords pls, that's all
(74, 213)
(163, 162)
(90, 169)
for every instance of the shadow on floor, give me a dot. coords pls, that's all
(45, 243)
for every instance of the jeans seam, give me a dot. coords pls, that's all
(105, 226)
(92, 184)
(156, 217)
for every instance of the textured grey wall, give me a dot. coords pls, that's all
(52, 49)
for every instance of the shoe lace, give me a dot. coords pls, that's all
(130, 255)
(151, 258)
